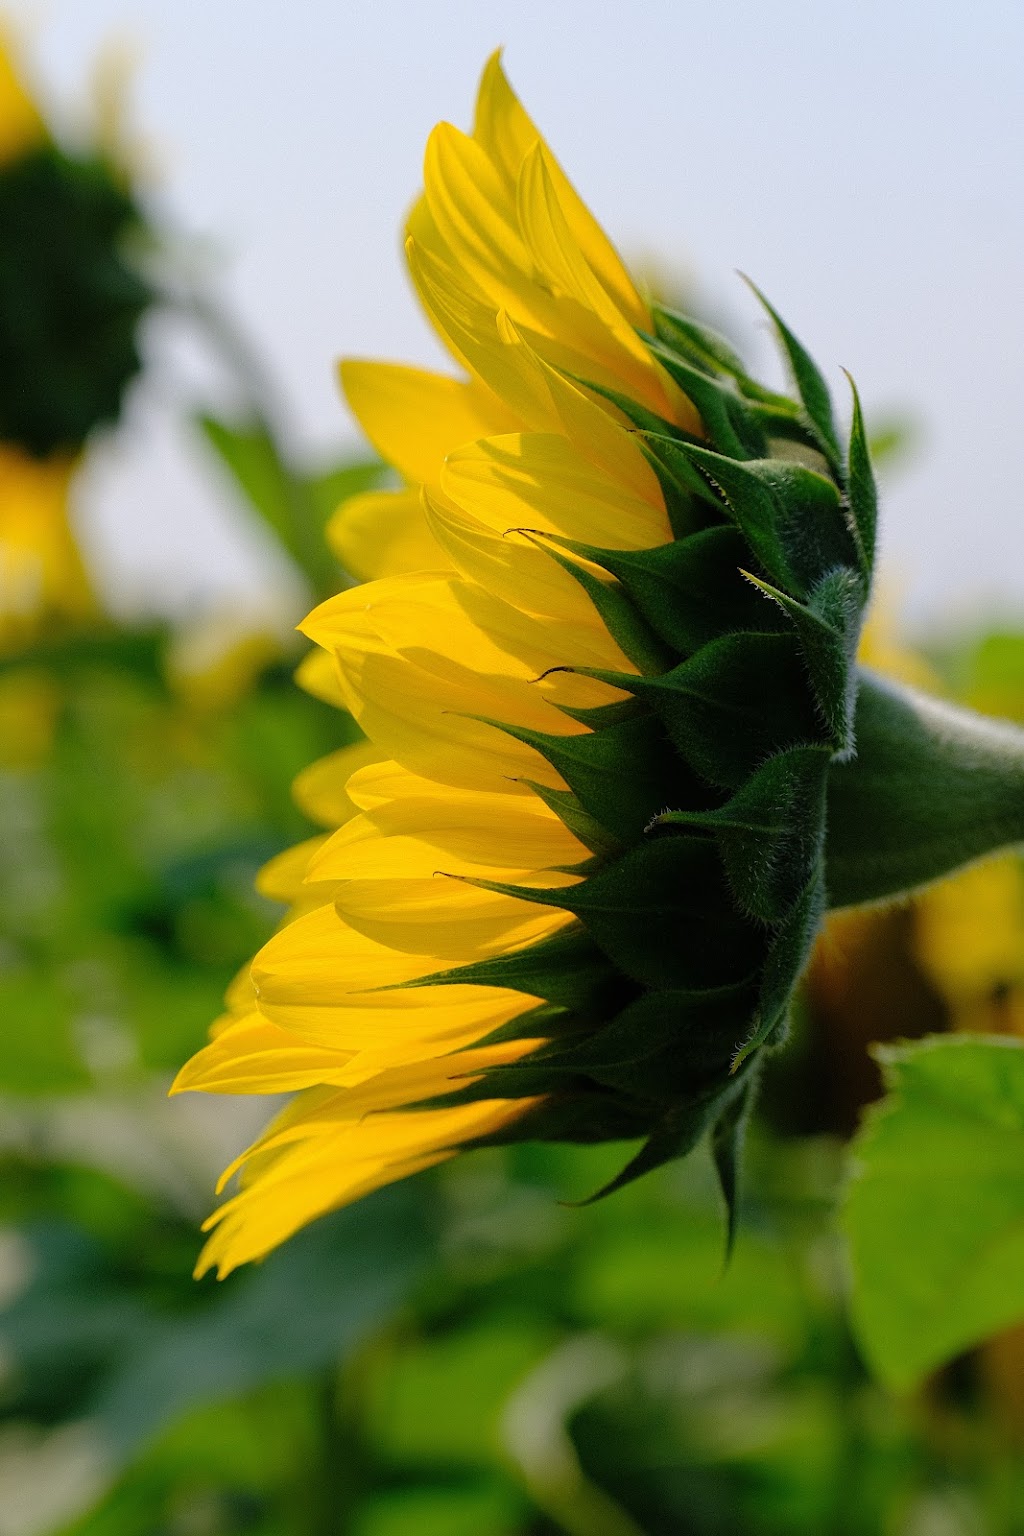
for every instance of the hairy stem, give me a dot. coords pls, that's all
(931, 788)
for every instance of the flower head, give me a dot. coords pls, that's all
(71, 299)
(603, 659)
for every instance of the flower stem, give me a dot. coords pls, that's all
(931, 788)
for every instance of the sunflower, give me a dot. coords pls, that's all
(70, 303)
(602, 653)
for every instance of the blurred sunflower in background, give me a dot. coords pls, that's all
(72, 296)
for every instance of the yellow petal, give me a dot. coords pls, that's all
(413, 418)
(320, 791)
(252, 1056)
(318, 675)
(541, 481)
(337, 1168)
(510, 564)
(282, 877)
(328, 983)
(506, 132)
(384, 533)
(469, 829)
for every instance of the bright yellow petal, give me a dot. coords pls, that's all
(335, 1169)
(330, 984)
(541, 481)
(467, 828)
(507, 133)
(413, 418)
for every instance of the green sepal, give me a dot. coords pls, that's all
(627, 627)
(662, 913)
(705, 348)
(598, 717)
(791, 516)
(708, 350)
(786, 958)
(621, 776)
(810, 383)
(664, 1044)
(582, 1116)
(581, 824)
(690, 591)
(690, 502)
(861, 488)
(828, 629)
(641, 416)
(675, 1135)
(771, 832)
(726, 1145)
(731, 427)
(567, 969)
(734, 703)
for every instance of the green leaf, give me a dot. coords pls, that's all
(295, 505)
(350, 1271)
(249, 452)
(328, 488)
(935, 1213)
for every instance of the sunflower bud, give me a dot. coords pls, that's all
(605, 663)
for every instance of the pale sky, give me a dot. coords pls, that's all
(862, 162)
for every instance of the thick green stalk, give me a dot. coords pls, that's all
(931, 788)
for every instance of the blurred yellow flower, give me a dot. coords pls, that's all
(42, 577)
(211, 665)
(21, 123)
(969, 939)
